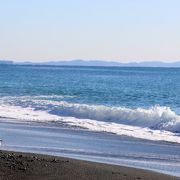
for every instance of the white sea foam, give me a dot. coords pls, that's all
(26, 114)
(30, 114)
(156, 117)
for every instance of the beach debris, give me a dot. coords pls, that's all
(35, 157)
(54, 160)
(22, 168)
(138, 178)
(20, 156)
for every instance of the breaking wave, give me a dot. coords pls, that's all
(156, 117)
(155, 123)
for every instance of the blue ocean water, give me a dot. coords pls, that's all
(111, 86)
(117, 115)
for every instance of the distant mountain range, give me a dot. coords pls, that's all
(6, 62)
(98, 63)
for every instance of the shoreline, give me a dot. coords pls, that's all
(17, 166)
(105, 148)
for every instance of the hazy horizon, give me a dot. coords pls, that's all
(117, 30)
(87, 60)
(98, 62)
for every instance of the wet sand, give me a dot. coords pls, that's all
(17, 166)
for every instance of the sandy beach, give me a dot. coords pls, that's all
(17, 166)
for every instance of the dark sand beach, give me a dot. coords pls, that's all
(17, 166)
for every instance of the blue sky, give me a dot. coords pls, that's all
(122, 30)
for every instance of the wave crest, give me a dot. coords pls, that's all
(156, 117)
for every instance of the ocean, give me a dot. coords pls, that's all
(117, 115)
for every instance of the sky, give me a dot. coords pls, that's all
(118, 30)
